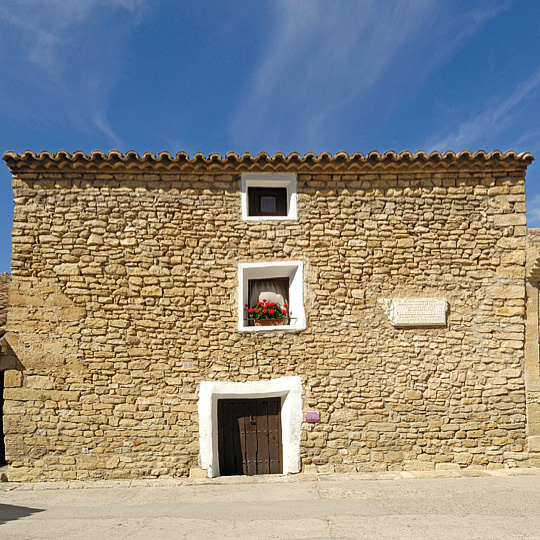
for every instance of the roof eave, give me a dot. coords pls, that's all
(116, 161)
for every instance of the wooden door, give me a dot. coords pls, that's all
(249, 436)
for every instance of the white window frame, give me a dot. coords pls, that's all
(289, 389)
(269, 180)
(294, 270)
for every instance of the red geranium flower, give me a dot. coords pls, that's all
(285, 305)
(266, 310)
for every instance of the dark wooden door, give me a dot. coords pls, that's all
(249, 436)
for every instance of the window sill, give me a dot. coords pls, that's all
(270, 218)
(280, 328)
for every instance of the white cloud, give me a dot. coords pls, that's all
(324, 57)
(459, 29)
(321, 56)
(44, 27)
(529, 139)
(63, 55)
(494, 119)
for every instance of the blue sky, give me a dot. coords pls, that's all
(281, 75)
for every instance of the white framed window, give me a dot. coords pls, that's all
(281, 282)
(268, 196)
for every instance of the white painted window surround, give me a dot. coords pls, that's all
(289, 389)
(294, 270)
(269, 180)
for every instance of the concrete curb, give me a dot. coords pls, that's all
(266, 479)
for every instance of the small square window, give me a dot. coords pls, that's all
(279, 282)
(268, 205)
(268, 196)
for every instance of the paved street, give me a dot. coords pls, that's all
(322, 507)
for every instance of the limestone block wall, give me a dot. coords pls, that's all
(531, 368)
(124, 299)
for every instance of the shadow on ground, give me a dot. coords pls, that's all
(10, 512)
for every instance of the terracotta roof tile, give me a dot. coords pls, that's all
(164, 161)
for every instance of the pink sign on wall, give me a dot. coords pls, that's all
(313, 416)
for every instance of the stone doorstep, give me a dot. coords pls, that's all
(264, 479)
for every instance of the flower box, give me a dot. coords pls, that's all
(267, 313)
(270, 322)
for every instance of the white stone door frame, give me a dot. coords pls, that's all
(289, 389)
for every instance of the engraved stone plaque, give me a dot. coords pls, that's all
(407, 312)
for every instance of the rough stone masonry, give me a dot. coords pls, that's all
(124, 299)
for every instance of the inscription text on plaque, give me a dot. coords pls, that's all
(405, 312)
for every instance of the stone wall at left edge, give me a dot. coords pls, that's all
(70, 408)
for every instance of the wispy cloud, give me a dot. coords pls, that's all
(456, 31)
(494, 119)
(530, 139)
(62, 56)
(322, 59)
(321, 56)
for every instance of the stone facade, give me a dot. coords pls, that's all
(124, 300)
(8, 359)
(4, 284)
(531, 368)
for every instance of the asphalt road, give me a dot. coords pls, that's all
(487, 508)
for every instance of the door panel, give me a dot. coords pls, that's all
(263, 457)
(251, 446)
(249, 436)
(274, 437)
(229, 434)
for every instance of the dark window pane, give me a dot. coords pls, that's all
(267, 201)
(268, 204)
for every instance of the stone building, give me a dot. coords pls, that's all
(404, 277)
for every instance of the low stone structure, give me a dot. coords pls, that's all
(405, 276)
